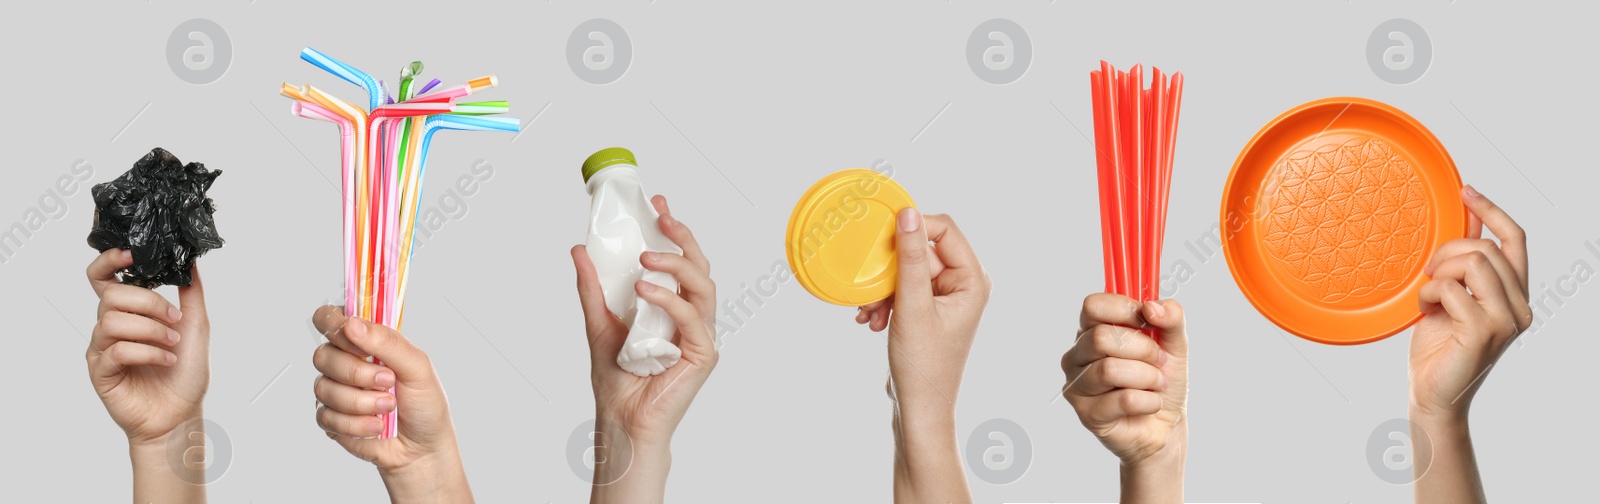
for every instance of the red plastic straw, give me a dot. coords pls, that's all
(1102, 159)
(1135, 139)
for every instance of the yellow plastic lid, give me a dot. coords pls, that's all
(840, 240)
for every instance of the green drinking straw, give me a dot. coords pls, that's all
(482, 108)
(407, 74)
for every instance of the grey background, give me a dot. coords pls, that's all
(734, 108)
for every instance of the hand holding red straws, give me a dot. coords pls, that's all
(1135, 131)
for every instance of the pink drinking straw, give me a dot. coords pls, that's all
(306, 107)
(351, 182)
(347, 157)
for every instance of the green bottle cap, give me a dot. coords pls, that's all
(606, 157)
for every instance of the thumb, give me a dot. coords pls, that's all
(913, 294)
(1167, 315)
(192, 299)
(600, 323)
(410, 364)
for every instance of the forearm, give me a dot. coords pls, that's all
(1158, 479)
(1449, 472)
(927, 461)
(628, 471)
(440, 479)
(178, 478)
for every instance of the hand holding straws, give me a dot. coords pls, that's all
(384, 152)
(1135, 131)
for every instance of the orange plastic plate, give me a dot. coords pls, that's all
(1330, 214)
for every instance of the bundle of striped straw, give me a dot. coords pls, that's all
(384, 155)
(1135, 131)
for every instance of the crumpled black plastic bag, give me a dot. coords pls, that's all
(160, 212)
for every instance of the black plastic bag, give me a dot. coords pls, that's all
(160, 212)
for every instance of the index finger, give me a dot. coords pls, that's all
(680, 234)
(103, 269)
(1108, 308)
(330, 321)
(954, 249)
(1513, 240)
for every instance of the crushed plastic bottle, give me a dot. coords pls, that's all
(622, 225)
(160, 212)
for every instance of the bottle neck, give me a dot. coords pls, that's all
(609, 173)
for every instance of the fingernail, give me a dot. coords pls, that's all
(127, 255)
(1163, 381)
(172, 358)
(910, 220)
(375, 426)
(1156, 309)
(1161, 360)
(650, 256)
(384, 379)
(646, 287)
(385, 403)
(173, 314)
(172, 337)
(355, 329)
(1471, 192)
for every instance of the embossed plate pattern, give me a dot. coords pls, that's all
(1330, 214)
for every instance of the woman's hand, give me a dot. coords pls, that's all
(1132, 390)
(150, 363)
(637, 412)
(422, 462)
(940, 294)
(1473, 308)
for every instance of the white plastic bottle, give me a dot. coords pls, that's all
(622, 225)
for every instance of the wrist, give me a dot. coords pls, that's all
(1159, 476)
(192, 422)
(170, 467)
(436, 477)
(1435, 419)
(628, 466)
(153, 449)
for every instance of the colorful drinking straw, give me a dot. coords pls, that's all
(383, 157)
(348, 73)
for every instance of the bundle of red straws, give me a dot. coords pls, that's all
(1135, 131)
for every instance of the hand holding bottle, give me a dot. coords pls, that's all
(644, 409)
